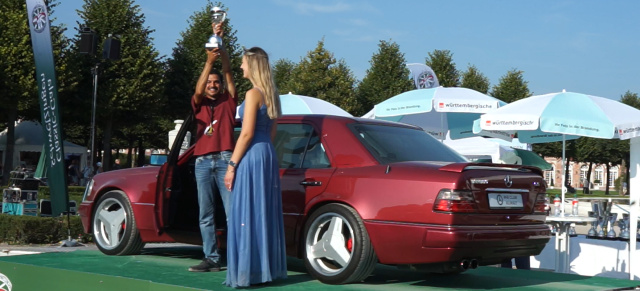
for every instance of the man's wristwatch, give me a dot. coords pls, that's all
(231, 163)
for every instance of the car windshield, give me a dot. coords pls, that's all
(389, 144)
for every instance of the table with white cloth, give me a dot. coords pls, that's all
(562, 224)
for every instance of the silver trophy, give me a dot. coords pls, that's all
(572, 230)
(593, 229)
(611, 220)
(217, 16)
(601, 223)
(624, 226)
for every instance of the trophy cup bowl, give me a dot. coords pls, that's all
(572, 230)
(601, 223)
(610, 222)
(592, 230)
(624, 226)
(217, 16)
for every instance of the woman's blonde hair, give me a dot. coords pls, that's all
(260, 74)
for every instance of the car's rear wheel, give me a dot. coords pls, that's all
(337, 249)
(114, 226)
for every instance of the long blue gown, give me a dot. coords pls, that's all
(255, 241)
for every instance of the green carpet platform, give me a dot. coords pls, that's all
(163, 269)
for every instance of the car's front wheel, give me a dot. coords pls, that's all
(114, 226)
(337, 246)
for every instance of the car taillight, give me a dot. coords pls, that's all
(455, 201)
(539, 207)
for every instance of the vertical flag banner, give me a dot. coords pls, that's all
(423, 76)
(49, 106)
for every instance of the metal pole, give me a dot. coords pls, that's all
(93, 116)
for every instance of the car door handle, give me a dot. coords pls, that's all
(311, 183)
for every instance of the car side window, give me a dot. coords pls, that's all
(290, 143)
(315, 157)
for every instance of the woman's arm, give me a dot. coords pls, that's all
(251, 105)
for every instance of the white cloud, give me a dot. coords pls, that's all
(359, 22)
(311, 8)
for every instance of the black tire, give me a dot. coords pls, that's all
(114, 226)
(353, 256)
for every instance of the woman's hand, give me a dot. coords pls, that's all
(228, 179)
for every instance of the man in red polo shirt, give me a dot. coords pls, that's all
(214, 107)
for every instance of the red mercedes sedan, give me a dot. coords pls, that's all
(356, 192)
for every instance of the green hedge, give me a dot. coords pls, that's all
(43, 230)
(75, 193)
(39, 230)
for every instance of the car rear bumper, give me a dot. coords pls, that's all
(397, 243)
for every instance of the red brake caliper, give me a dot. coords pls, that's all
(350, 244)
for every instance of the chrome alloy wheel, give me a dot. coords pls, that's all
(329, 244)
(109, 223)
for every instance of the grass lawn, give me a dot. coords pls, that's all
(593, 193)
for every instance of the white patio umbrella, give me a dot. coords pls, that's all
(298, 104)
(437, 110)
(497, 151)
(576, 114)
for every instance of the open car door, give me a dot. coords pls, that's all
(168, 177)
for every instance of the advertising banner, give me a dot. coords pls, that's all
(49, 110)
(423, 76)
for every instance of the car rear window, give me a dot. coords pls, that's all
(390, 144)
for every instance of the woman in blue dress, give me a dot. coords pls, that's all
(255, 241)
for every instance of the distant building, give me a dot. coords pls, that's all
(578, 174)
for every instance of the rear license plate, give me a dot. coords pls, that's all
(505, 200)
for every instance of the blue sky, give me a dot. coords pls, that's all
(586, 46)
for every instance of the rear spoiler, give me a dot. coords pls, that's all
(460, 167)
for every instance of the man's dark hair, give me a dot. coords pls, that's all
(216, 72)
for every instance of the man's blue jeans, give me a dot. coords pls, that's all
(210, 171)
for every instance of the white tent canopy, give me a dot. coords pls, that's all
(29, 138)
(499, 151)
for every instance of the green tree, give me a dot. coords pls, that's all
(18, 89)
(188, 57)
(388, 76)
(320, 75)
(131, 87)
(630, 99)
(282, 70)
(610, 153)
(511, 87)
(441, 62)
(472, 78)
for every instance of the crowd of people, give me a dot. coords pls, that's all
(244, 173)
(77, 177)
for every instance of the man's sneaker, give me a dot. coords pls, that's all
(205, 266)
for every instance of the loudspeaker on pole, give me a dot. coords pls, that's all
(88, 40)
(111, 49)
